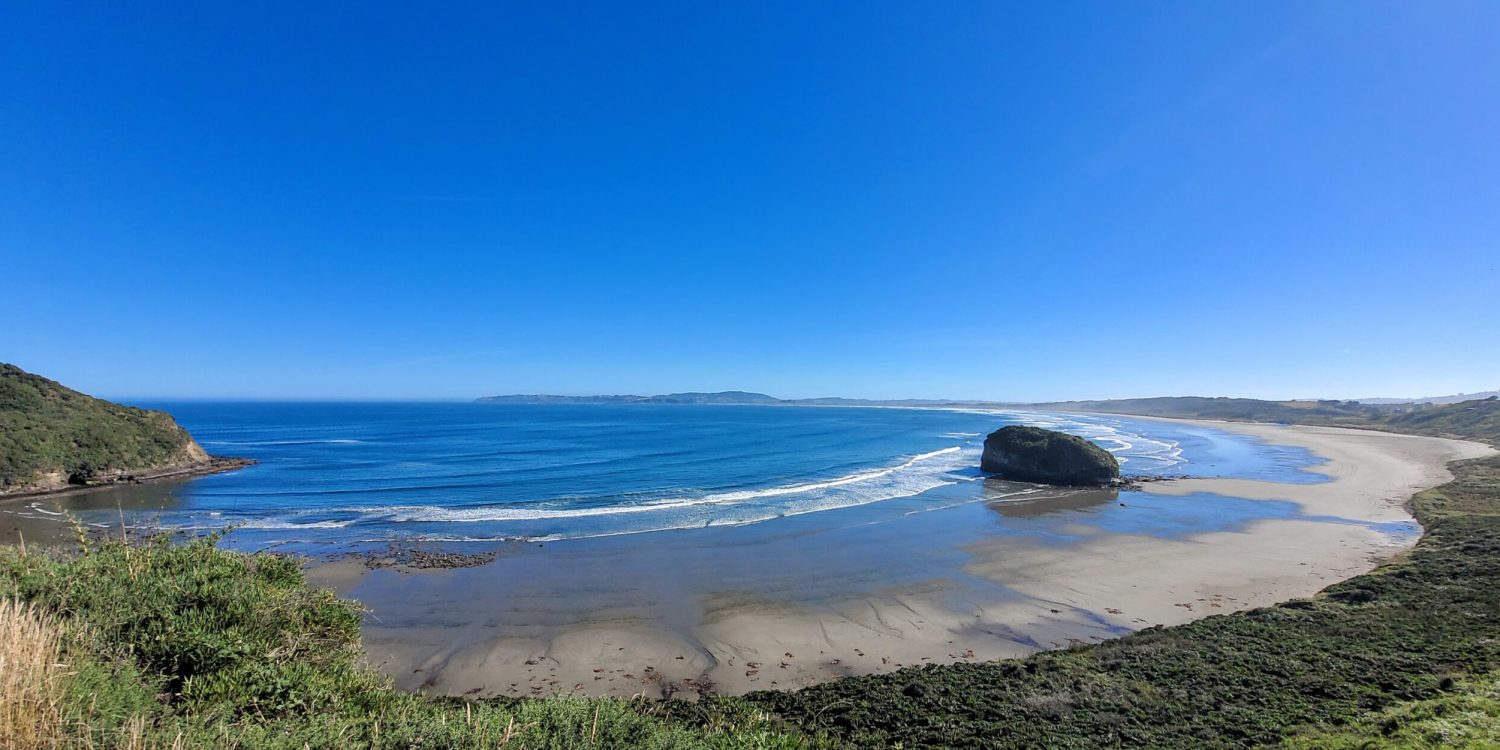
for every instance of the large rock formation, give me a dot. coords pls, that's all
(1032, 454)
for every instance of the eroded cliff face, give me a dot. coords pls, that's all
(190, 459)
(54, 438)
(1032, 454)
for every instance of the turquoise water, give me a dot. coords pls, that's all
(361, 473)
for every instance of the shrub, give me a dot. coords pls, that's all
(190, 646)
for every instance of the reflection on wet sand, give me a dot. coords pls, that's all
(1000, 496)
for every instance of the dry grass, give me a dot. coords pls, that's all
(31, 679)
(136, 736)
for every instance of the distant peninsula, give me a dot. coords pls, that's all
(1303, 411)
(53, 438)
(719, 397)
(722, 397)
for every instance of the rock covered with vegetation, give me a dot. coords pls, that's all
(53, 437)
(1032, 454)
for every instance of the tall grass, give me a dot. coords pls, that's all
(172, 646)
(31, 679)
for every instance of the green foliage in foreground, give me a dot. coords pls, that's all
(1468, 718)
(194, 645)
(1396, 642)
(46, 427)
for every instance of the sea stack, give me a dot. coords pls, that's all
(1032, 454)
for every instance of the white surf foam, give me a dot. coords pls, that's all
(1127, 445)
(730, 497)
(274, 524)
(913, 476)
(330, 441)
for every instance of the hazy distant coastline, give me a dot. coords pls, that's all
(725, 397)
(1330, 411)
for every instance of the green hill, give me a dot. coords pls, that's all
(53, 437)
(1463, 419)
(1473, 419)
(1232, 409)
(721, 397)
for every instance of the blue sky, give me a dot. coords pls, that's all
(980, 200)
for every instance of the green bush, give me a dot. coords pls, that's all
(1468, 718)
(46, 427)
(192, 644)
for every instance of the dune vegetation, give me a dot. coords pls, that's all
(1465, 717)
(156, 644)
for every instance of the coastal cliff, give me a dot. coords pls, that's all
(1032, 454)
(55, 438)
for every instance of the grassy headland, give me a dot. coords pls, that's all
(53, 437)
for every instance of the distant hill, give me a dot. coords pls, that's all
(1454, 399)
(721, 397)
(53, 437)
(1403, 415)
(933, 402)
(542, 398)
(726, 397)
(1187, 407)
(1220, 407)
(1462, 420)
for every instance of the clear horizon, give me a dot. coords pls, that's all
(989, 202)
(129, 398)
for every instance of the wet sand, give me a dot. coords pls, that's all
(40, 517)
(29, 530)
(946, 576)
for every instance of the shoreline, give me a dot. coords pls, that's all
(214, 465)
(15, 527)
(1030, 595)
(503, 623)
(1374, 477)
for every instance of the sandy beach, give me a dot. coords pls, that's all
(801, 600)
(1136, 582)
(36, 517)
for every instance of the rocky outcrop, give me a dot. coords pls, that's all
(1032, 454)
(54, 438)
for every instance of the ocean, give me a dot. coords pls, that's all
(333, 475)
(611, 549)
